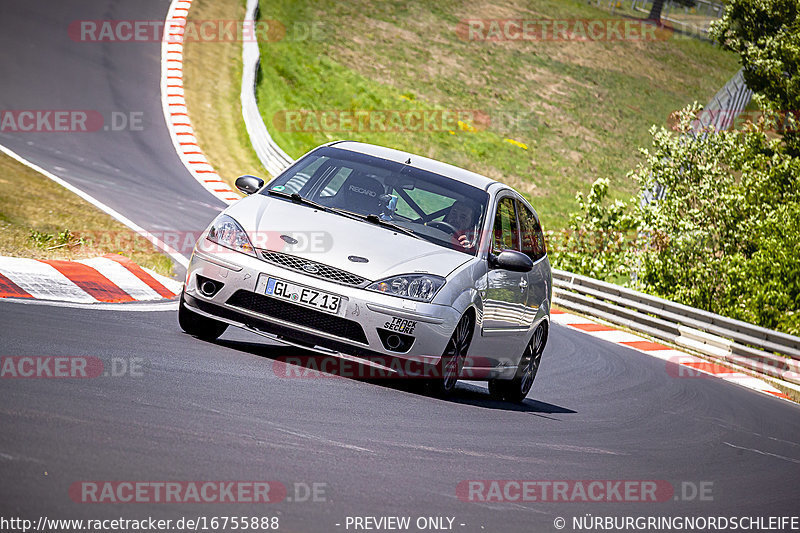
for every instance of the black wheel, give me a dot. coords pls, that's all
(515, 390)
(198, 325)
(453, 357)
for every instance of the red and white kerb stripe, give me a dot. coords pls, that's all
(678, 364)
(111, 278)
(174, 105)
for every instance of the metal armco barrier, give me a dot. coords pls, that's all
(758, 349)
(274, 159)
(727, 104)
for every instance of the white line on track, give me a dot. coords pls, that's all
(169, 250)
(129, 306)
(762, 453)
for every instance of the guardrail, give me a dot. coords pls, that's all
(758, 349)
(726, 105)
(274, 159)
(699, 16)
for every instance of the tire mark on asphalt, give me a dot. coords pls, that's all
(763, 453)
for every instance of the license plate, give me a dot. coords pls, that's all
(298, 294)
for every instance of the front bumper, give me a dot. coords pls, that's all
(363, 316)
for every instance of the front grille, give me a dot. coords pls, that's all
(297, 314)
(325, 272)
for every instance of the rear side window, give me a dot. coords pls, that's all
(532, 237)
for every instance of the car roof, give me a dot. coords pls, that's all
(417, 161)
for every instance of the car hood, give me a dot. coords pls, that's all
(333, 239)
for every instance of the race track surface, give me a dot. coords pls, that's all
(134, 170)
(228, 411)
(198, 411)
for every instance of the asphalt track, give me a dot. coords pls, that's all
(133, 170)
(225, 411)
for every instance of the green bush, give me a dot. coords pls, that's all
(724, 238)
(595, 242)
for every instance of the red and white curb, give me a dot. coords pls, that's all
(176, 113)
(679, 364)
(111, 278)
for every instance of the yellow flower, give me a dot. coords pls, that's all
(517, 143)
(466, 127)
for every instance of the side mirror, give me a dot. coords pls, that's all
(249, 184)
(511, 260)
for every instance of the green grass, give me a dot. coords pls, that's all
(40, 219)
(583, 108)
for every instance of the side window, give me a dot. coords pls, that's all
(532, 236)
(505, 233)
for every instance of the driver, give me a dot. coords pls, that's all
(462, 217)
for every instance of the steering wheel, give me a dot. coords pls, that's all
(442, 225)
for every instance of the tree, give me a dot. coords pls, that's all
(766, 35)
(658, 6)
(597, 238)
(726, 236)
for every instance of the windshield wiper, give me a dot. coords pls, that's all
(375, 219)
(296, 198)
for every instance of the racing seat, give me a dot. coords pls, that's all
(360, 194)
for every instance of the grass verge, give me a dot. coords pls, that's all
(40, 219)
(212, 79)
(562, 113)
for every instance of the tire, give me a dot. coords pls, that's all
(453, 357)
(198, 325)
(515, 390)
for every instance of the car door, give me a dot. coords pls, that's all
(505, 302)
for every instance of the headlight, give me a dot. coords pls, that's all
(422, 287)
(226, 232)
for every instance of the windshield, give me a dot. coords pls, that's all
(438, 209)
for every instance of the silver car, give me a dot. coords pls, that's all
(360, 251)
